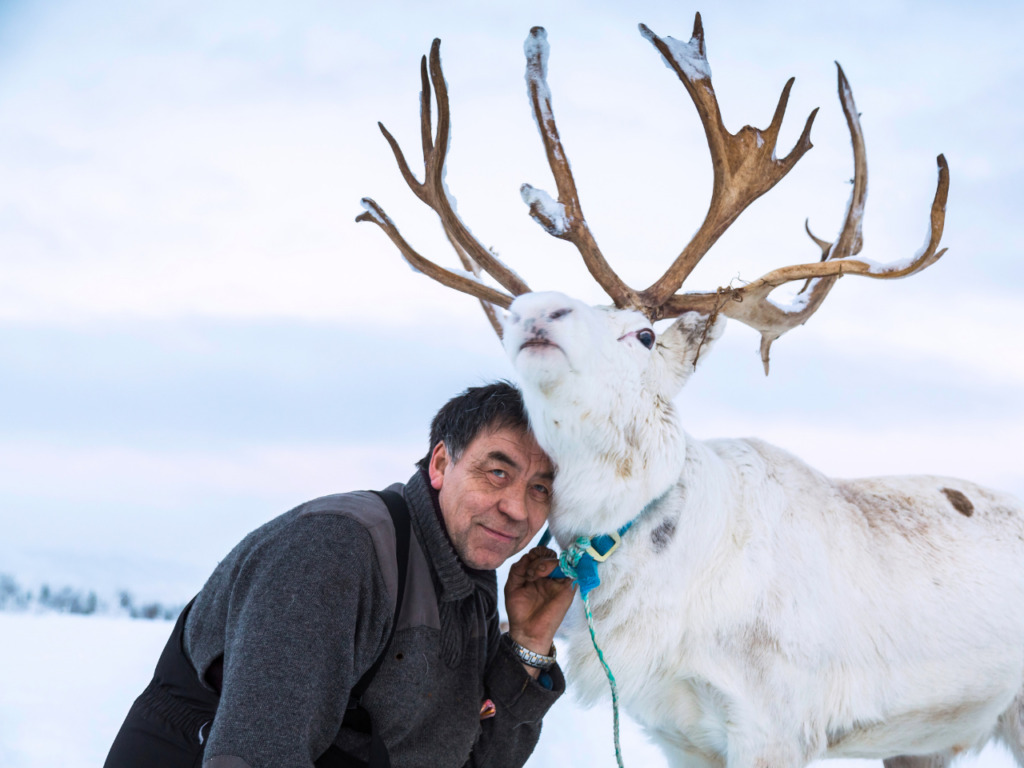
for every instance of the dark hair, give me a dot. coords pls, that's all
(493, 406)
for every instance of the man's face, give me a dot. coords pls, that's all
(496, 497)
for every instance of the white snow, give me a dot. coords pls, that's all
(687, 56)
(551, 210)
(537, 49)
(66, 683)
(877, 268)
(798, 302)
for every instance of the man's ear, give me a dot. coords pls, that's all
(438, 464)
(687, 342)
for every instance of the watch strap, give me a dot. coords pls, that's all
(531, 658)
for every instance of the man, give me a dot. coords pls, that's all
(264, 668)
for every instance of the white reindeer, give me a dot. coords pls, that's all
(758, 613)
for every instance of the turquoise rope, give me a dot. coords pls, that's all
(568, 560)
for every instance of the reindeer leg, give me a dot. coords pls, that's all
(680, 752)
(1010, 730)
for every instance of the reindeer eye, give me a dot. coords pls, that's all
(646, 337)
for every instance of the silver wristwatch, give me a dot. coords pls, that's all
(531, 659)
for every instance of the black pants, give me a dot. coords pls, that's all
(169, 723)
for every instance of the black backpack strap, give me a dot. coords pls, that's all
(356, 716)
(403, 525)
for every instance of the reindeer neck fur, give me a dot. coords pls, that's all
(614, 455)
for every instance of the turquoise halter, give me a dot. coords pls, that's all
(591, 552)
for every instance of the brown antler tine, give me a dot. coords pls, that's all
(443, 203)
(937, 218)
(376, 214)
(563, 218)
(825, 245)
(745, 166)
(851, 240)
(403, 167)
(425, 122)
(433, 192)
(425, 127)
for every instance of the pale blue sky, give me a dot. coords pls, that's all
(195, 336)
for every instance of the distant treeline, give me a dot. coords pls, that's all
(13, 597)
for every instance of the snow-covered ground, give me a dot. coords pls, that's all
(66, 683)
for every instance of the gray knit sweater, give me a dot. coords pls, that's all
(303, 606)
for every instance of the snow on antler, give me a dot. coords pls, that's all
(537, 50)
(690, 57)
(549, 213)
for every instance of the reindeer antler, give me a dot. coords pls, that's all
(432, 191)
(745, 167)
(563, 218)
(751, 303)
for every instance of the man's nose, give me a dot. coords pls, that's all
(513, 504)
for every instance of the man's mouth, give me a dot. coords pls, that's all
(502, 537)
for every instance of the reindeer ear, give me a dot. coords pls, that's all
(687, 342)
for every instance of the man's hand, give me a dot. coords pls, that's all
(536, 604)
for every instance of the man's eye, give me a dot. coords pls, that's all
(541, 489)
(499, 473)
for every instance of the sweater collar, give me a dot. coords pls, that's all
(454, 581)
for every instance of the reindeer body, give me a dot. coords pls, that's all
(759, 612)
(762, 613)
